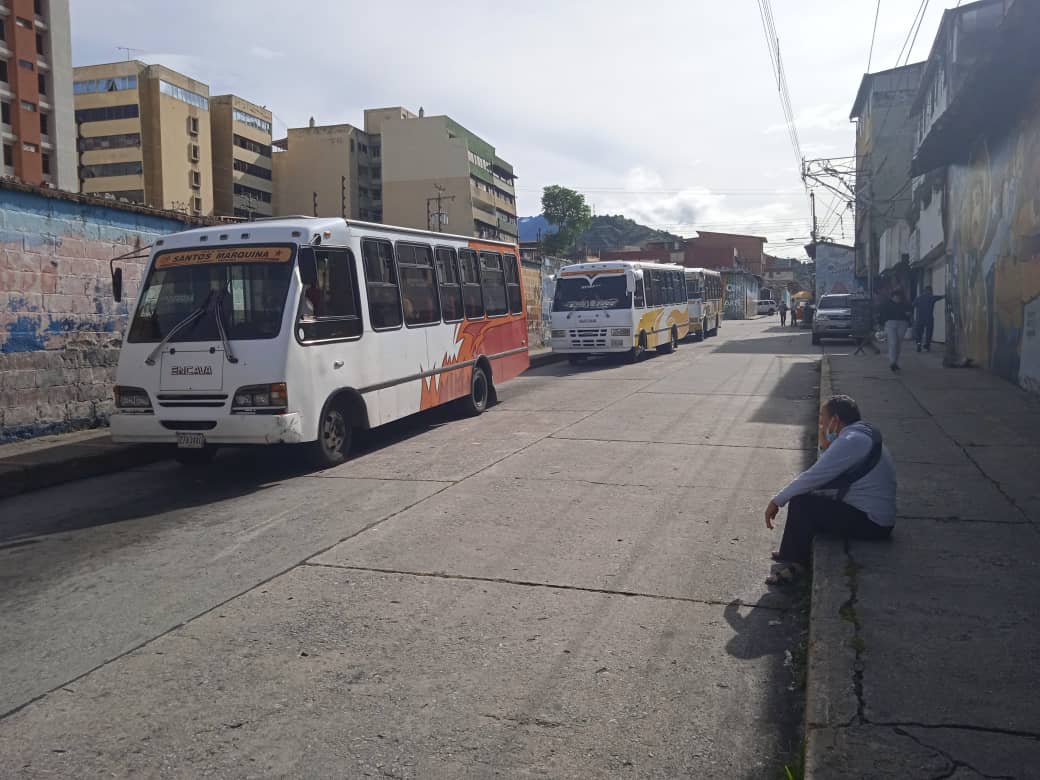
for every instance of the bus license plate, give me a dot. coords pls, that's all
(191, 441)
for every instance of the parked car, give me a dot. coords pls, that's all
(767, 307)
(833, 318)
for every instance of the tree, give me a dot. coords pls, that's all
(568, 211)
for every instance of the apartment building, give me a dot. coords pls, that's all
(242, 166)
(144, 136)
(436, 174)
(39, 135)
(327, 171)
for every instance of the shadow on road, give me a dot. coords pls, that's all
(799, 345)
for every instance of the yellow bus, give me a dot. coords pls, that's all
(704, 290)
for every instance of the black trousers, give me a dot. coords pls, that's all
(783, 318)
(813, 514)
(923, 333)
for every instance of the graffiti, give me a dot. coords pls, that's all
(836, 270)
(994, 266)
(741, 295)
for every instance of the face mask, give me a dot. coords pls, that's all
(832, 436)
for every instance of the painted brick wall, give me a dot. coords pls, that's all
(60, 329)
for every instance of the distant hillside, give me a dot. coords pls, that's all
(606, 232)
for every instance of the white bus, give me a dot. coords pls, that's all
(704, 289)
(301, 330)
(618, 307)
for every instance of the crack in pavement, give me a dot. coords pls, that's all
(955, 763)
(548, 585)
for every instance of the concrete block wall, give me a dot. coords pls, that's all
(60, 329)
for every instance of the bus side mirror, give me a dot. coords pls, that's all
(308, 268)
(117, 284)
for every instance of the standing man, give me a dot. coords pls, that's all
(895, 319)
(782, 308)
(924, 318)
(857, 466)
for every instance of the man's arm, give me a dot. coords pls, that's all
(850, 448)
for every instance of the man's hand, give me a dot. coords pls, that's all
(771, 512)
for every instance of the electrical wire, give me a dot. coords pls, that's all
(873, 35)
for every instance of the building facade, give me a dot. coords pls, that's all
(39, 134)
(242, 168)
(144, 136)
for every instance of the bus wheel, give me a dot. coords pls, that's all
(200, 457)
(479, 393)
(335, 436)
(636, 353)
(672, 343)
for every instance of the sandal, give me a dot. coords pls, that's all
(785, 575)
(775, 555)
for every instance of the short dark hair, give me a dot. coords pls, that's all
(844, 408)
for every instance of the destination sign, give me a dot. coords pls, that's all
(238, 254)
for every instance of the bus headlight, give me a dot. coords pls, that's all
(133, 400)
(261, 399)
(558, 334)
(620, 331)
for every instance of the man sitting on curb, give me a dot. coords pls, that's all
(859, 474)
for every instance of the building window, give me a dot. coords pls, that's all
(133, 168)
(106, 113)
(39, 44)
(253, 193)
(247, 143)
(384, 295)
(331, 308)
(41, 84)
(418, 284)
(195, 178)
(472, 295)
(44, 124)
(133, 196)
(8, 155)
(23, 23)
(184, 95)
(27, 106)
(3, 30)
(38, 7)
(193, 125)
(253, 121)
(196, 204)
(28, 147)
(5, 108)
(46, 164)
(122, 141)
(26, 65)
(450, 285)
(194, 152)
(253, 170)
(93, 86)
(3, 70)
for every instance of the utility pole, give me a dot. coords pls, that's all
(314, 199)
(439, 197)
(812, 201)
(343, 196)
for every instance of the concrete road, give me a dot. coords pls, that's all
(569, 586)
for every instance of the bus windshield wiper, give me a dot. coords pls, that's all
(191, 318)
(218, 315)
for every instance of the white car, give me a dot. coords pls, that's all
(767, 307)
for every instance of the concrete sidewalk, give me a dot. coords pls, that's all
(46, 461)
(922, 652)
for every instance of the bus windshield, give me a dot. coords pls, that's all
(694, 292)
(583, 295)
(252, 293)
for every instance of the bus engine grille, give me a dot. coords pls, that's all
(585, 338)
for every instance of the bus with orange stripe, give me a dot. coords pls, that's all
(618, 307)
(302, 330)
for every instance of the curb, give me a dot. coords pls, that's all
(830, 693)
(545, 358)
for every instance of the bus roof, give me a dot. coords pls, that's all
(618, 265)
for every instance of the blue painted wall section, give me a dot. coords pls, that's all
(60, 329)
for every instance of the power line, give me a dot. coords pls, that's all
(873, 35)
(920, 13)
(911, 49)
(775, 60)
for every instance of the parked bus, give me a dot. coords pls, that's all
(301, 330)
(704, 289)
(618, 307)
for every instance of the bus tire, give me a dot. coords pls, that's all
(704, 329)
(335, 436)
(479, 393)
(195, 458)
(636, 353)
(669, 346)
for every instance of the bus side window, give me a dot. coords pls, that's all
(472, 293)
(655, 295)
(494, 284)
(418, 286)
(331, 308)
(640, 299)
(450, 285)
(516, 300)
(384, 296)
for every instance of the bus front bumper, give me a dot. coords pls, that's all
(229, 428)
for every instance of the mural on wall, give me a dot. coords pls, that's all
(741, 295)
(836, 270)
(994, 267)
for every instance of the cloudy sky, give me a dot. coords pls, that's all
(665, 111)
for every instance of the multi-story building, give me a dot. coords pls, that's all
(242, 165)
(439, 175)
(327, 171)
(39, 135)
(144, 136)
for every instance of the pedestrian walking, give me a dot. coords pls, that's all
(895, 319)
(782, 308)
(850, 490)
(924, 318)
